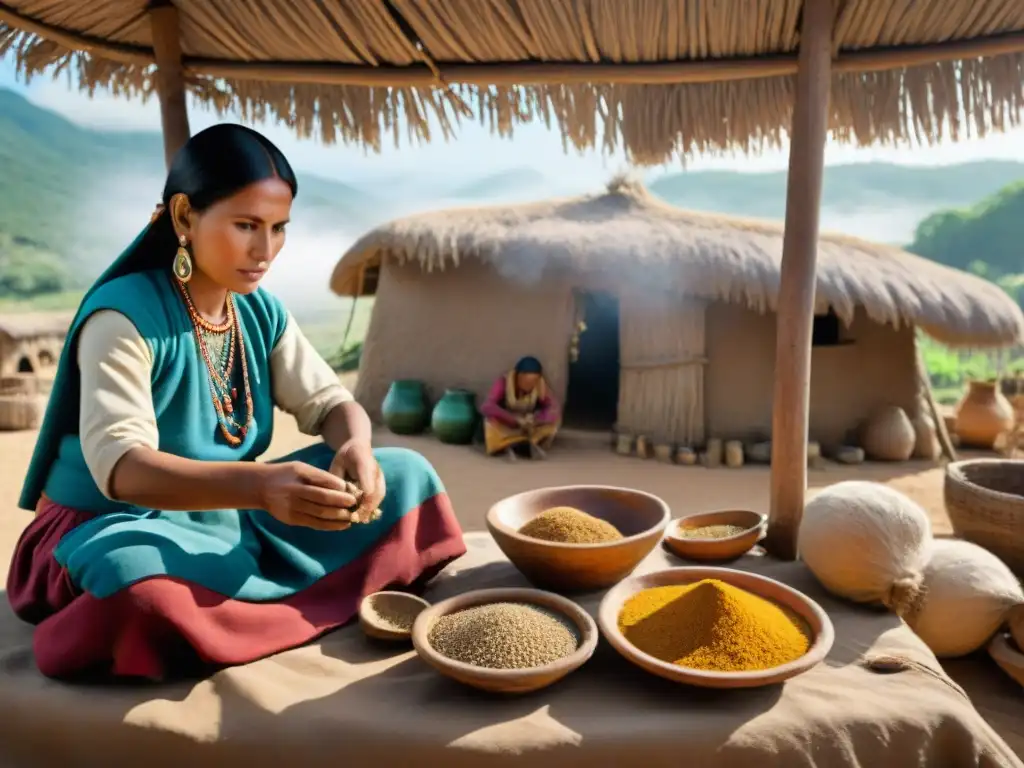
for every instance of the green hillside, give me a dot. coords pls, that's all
(987, 237)
(80, 195)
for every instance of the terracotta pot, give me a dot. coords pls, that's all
(982, 414)
(888, 435)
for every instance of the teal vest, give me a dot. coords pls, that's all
(186, 419)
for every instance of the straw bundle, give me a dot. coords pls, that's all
(661, 389)
(360, 70)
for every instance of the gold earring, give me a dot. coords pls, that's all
(182, 261)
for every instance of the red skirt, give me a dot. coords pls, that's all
(162, 626)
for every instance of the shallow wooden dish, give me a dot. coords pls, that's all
(507, 680)
(817, 621)
(1004, 653)
(640, 517)
(728, 548)
(372, 625)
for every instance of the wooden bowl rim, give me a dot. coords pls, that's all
(365, 615)
(674, 525)
(585, 625)
(496, 524)
(611, 605)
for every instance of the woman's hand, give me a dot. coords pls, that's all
(354, 460)
(299, 494)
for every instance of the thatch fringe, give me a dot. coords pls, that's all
(650, 123)
(633, 240)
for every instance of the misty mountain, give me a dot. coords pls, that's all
(81, 195)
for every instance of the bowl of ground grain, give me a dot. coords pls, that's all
(505, 640)
(716, 536)
(578, 537)
(715, 627)
(390, 615)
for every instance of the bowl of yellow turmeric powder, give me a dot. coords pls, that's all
(715, 627)
(578, 537)
(723, 534)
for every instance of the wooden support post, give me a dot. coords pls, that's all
(795, 311)
(170, 76)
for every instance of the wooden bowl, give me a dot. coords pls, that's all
(640, 517)
(371, 606)
(1004, 652)
(816, 619)
(507, 680)
(728, 548)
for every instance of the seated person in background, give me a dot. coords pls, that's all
(520, 412)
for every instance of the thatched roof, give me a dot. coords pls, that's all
(633, 239)
(657, 78)
(28, 325)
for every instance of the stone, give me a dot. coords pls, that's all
(849, 454)
(760, 453)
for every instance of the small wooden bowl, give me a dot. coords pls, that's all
(640, 517)
(816, 619)
(369, 614)
(507, 680)
(728, 548)
(1004, 652)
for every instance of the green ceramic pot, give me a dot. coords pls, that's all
(405, 409)
(454, 418)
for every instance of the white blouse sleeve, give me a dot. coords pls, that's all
(116, 410)
(304, 385)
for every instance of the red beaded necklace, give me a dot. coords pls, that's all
(222, 393)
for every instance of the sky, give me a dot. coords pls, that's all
(475, 153)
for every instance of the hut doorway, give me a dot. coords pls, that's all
(592, 397)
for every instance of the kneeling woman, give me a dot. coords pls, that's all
(160, 543)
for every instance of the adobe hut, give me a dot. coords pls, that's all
(678, 307)
(31, 343)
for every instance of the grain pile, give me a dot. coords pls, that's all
(395, 612)
(711, 531)
(714, 626)
(503, 636)
(568, 525)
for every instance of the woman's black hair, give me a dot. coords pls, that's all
(213, 165)
(529, 365)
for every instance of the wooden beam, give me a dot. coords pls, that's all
(795, 314)
(170, 77)
(524, 72)
(646, 73)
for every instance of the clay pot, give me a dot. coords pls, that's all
(926, 438)
(453, 420)
(982, 414)
(404, 409)
(889, 435)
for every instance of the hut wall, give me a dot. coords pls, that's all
(661, 387)
(461, 327)
(847, 382)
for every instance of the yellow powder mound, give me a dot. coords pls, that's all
(568, 525)
(713, 626)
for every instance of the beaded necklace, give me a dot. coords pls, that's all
(222, 392)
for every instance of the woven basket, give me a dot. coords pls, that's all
(985, 503)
